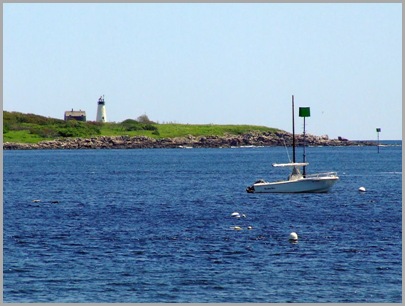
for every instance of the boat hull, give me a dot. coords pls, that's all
(315, 185)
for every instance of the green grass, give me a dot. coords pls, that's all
(181, 130)
(171, 130)
(22, 136)
(30, 128)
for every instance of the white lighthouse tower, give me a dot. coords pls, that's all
(101, 113)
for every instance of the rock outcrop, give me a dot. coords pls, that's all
(143, 142)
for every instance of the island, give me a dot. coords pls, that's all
(32, 132)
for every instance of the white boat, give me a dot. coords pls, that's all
(296, 182)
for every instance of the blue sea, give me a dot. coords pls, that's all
(155, 225)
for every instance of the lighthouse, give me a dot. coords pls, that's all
(101, 113)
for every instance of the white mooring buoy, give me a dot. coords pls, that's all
(235, 214)
(293, 236)
(362, 189)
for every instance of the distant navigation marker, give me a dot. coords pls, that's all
(378, 139)
(304, 112)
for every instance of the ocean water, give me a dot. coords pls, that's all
(155, 225)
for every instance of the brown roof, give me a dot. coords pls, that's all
(75, 113)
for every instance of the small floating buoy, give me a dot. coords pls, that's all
(362, 189)
(237, 215)
(293, 236)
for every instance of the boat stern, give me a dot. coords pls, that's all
(250, 189)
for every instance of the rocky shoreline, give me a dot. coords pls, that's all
(143, 142)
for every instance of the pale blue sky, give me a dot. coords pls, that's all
(210, 63)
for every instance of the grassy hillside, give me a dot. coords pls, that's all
(31, 128)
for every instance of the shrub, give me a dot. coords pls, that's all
(145, 119)
(74, 128)
(44, 132)
(134, 125)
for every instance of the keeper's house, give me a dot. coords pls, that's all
(75, 115)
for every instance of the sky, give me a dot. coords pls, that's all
(205, 63)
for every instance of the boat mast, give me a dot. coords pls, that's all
(293, 130)
(304, 156)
